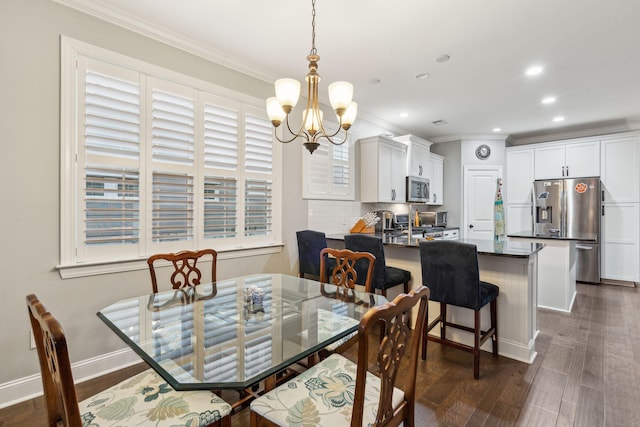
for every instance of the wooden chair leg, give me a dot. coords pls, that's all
(443, 323)
(494, 324)
(476, 345)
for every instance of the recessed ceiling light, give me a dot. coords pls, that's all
(532, 71)
(422, 76)
(549, 100)
(497, 129)
(439, 122)
(442, 58)
(403, 115)
(558, 119)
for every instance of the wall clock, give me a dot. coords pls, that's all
(483, 152)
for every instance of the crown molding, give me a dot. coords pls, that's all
(106, 13)
(625, 125)
(466, 137)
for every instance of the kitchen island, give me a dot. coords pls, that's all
(556, 267)
(510, 265)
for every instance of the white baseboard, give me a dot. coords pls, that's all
(22, 389)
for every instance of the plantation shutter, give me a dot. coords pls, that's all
(328, 172)
(109, 155)
(173, 149)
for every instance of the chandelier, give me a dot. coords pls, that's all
(312, 127)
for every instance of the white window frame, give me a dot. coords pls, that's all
(329, 191)
(71, 135)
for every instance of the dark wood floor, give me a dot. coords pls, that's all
(587, 373)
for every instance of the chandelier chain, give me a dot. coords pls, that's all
(313, 28)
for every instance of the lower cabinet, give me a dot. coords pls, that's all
(619, 243)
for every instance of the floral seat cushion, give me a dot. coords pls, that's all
(322, 396)
(330, 322)
(147, 399)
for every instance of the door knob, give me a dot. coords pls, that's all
(470, 225)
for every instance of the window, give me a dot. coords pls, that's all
(335, 161)
(154, 161)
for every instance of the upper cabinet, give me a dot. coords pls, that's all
(436, 166)
(383, 170)
(418, 155)
(620, 173)
(518, 185)
(519, 177)
(571, 159)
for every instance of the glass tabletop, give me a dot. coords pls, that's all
(234, 333)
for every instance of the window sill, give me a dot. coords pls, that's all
(107, 267)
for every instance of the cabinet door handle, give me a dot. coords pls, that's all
(603, 195)
(567, 170)
(393, 194)
(602, 210)
(435, 198)
(420, 170)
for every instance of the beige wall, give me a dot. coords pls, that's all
(29, 168)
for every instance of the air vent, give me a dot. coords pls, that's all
(439, 122)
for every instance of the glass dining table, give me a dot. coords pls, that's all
(235, 333)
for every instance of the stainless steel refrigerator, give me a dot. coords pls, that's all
(569, 209)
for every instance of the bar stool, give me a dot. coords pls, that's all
(450, 270)
(310, 243)
(384, 277)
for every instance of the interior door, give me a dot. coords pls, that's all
(480, 185)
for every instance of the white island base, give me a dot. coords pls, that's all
(556, 273)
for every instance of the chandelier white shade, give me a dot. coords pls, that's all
(312, 128)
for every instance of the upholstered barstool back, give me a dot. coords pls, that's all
(450, 270)
(384, 277)
(310, 243)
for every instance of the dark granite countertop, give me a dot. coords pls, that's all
(485, 247)
(586, 237)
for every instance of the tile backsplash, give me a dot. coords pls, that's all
(333, 216)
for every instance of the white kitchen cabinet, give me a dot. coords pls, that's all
(519, 217)
(619, 244)
(383, 170)
(436, 179)
(620, 169)
(418, 155)
(569, 159)
(620, 222)
(518, 186)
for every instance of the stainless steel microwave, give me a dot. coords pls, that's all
(417, 189)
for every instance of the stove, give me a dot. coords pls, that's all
(402, 221)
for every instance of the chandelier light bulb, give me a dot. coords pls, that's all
(287, 92)
(340, 96)
(349, 116)
(275, 112)
(312, 120)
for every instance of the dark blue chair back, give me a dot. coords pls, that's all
(450, 271)
(310, 243)
(373, 245)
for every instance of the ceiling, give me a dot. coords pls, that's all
(589, 51)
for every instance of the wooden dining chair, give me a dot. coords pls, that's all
(185, 269)
(144, 399)
(329, 394)
(343, 273)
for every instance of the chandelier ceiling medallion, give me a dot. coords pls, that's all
(312, 127)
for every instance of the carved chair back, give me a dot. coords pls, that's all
(185, 269)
